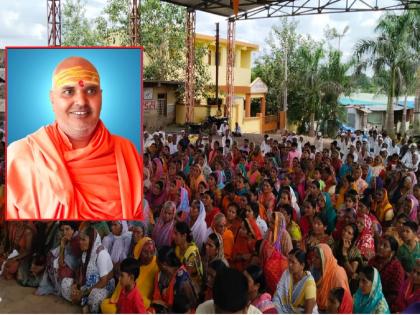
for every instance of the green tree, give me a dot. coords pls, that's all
(309, 81)
(76, 28)
(335, 82)
(316, 78)
(389, 54)
(162, 36)
(282, 41)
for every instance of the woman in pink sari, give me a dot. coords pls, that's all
(278, 236)
(410, 207)
(410, 290)
(157, 170)
(163, 230)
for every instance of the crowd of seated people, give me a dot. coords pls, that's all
(282, 226)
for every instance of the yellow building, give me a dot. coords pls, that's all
(244, 89)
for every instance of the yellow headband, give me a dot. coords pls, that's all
(75, 75)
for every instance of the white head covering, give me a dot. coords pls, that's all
(118, 245)
(199, 229)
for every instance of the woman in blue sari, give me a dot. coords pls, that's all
(328, 211)
(369, 298)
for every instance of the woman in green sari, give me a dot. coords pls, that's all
(328, 211)
(369, 298)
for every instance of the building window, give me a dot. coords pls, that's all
(351, 120)
(375, 118)
(162, 104)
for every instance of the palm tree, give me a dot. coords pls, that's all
(417, 104)
(390, 52)
(335, 82)
(309, 79)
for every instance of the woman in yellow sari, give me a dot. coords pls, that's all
(196, 177)
(145, 251)
(188, 253)
(347, 184)
(383, 208)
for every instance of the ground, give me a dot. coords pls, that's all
(253, 137)
(17, 299)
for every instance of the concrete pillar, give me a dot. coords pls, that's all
(247, 105)
(263, 106)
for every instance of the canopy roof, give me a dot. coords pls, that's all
(258, 9)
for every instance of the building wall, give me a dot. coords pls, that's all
(376, 119)
(152, 116)
(242, 68)
(357, 118)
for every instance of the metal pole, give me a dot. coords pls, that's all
(54, 22)
(134, 24)
(217, 66)
(285, 86)
(189, 80)
(230, 68)
(54, 30)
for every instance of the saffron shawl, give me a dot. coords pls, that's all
(51, 180)
(333, 276)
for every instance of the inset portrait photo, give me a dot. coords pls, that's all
(74, 120)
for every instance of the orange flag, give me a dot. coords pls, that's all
(235, 6)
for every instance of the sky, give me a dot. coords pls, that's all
(24, 22)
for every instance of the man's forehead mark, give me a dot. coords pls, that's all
(75, 75)
(81, 83)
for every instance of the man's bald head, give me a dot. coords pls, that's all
(75, 70)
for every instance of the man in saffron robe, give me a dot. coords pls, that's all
(74, 169)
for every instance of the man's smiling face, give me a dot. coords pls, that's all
(76, 97)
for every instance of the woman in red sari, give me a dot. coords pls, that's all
(244, 245)
(272, 262)
(365, 242)
(390, 269)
